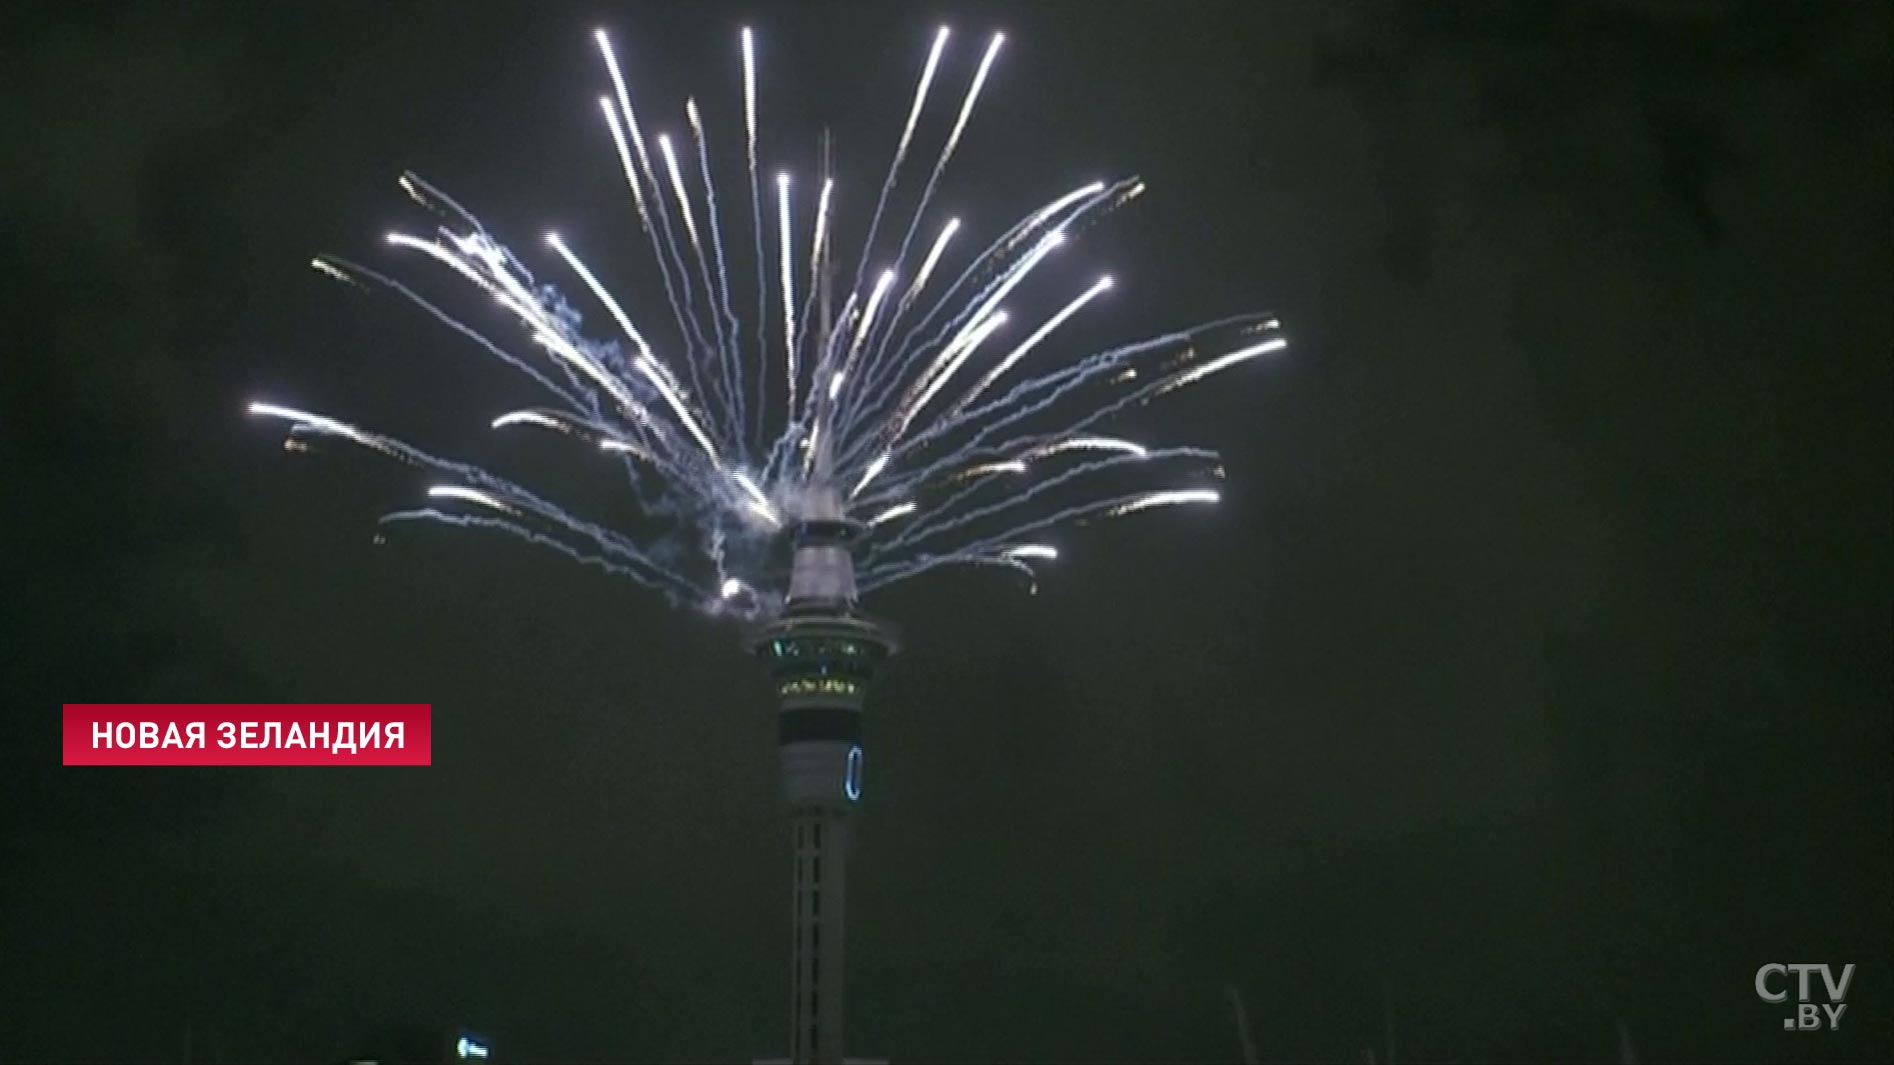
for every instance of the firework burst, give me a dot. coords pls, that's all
(908, 411)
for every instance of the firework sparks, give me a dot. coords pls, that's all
(1045, 551)
(530, 417)
(985, 469)
(471, 495)
(1090, 443)
(899, 510)
(1163, 499)
(735, 441)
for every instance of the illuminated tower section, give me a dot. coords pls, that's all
(822, 653)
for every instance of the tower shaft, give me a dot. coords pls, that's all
(819, 903)
(822, 652)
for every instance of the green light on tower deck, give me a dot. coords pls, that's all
(818, 686)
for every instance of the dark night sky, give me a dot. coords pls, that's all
(1536, 667)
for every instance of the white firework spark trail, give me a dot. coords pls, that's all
(786, 255)
(953, 138)
(927, 264)
(886, 373)
(1045, 551)
(727, 326)
(901, 150)
(663, 240)
(756, 224)
(728, 440)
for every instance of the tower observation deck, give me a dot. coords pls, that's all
(822, 653)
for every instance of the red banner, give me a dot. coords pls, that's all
(248, 734)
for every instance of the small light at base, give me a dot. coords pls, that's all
(467, 1048)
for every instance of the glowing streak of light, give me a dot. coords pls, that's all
(976, 321)
(819, 244)
(1032, 341)
(749, 93)
(624, 447)
(1017, 274)
(547, 336)
(874, 303)
(647, 362)
(454, 262)
(603, 295)
(375, 442)
(897, 511)
(624, 97)
(624, 160)
(756, 223)
(758, 501)
(968, 342)
(867, 322)
(677, 186)
(874, 470)
(933, 257)
(920, 93)
(907, 137)
(1088, 443)
(586, 365)
(316, 421)
(323, 266)
(529, 417)
(720, 290)
(789, 288)
(432, 198)
(1222, 362)
(973, 93)
(985, 468)
(1178, 497)
(501, 285)
(1045, 551)
(1060, 204)
(524, 302)
(471, 495)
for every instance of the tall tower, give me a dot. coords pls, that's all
(822, 652)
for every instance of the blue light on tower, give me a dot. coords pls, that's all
(852, 780)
